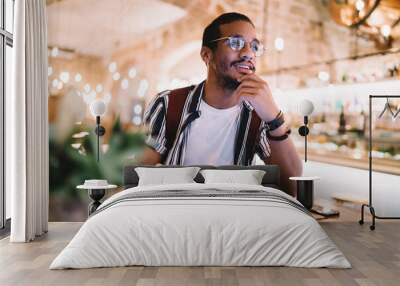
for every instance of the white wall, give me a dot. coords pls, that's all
(353, 182)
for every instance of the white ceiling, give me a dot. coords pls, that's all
(100, 27)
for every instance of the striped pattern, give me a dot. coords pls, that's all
(209, 194)
(155, 119)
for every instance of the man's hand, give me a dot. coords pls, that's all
(257, 92)
(283, 153)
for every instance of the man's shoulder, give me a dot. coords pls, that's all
(178, 94)
(178, 91)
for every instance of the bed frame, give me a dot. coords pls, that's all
(270, 179)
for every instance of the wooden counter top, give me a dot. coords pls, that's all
(336, 158)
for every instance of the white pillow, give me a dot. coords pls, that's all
(248, 177)
(163, 176)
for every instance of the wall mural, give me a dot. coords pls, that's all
(124, 52)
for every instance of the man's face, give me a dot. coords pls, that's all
(228, 64)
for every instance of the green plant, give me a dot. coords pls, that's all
(70, 166)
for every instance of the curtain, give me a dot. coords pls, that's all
(28, 124)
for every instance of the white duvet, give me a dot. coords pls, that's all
(183, 231)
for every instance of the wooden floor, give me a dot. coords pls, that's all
(374, 255)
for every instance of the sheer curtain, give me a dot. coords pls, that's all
(27, 123)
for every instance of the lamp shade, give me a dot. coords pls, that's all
(306, 107)
(97, 108)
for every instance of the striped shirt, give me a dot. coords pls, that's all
(155, 120)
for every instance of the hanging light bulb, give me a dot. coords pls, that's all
(360, 5)
(386, 30)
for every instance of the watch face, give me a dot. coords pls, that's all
(277, 122)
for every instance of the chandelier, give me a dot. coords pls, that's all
(376, 20)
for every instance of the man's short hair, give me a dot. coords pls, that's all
(212, 32)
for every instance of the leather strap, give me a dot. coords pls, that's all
(278, 138)
(176, 102)
(252, 135)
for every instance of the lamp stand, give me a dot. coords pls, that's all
(100, 131)
(303, 131)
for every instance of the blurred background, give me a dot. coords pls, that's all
(123, 52)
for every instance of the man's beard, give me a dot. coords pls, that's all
(228, 83)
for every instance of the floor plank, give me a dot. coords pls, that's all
(375, 257)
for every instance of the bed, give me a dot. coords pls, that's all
(201, 224)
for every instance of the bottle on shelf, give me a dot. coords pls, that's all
(342, 122)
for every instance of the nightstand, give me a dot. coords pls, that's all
(305, 195)
(96, 193)
(305, 190)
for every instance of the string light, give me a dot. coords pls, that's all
(64, 76)
(137, 120)
(87, 88)
(132, 72)
(137, 109)
(124, 83)
(107, 98)
(279, 44)
(99, 88)
(386, 30)
(112, 67)
(78, 77)
(116, 76)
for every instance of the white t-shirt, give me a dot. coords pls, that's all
(211, 138)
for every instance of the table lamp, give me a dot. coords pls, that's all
(306, 107)
(98, 108)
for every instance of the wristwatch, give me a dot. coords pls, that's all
(276, 122)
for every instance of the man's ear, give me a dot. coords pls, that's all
(206, 55)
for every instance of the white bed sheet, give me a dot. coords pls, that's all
(200, 231)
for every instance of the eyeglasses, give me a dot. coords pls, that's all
(237, 43)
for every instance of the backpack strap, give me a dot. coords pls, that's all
(252, 136)
(176, 102)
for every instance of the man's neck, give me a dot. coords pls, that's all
(217, 96)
